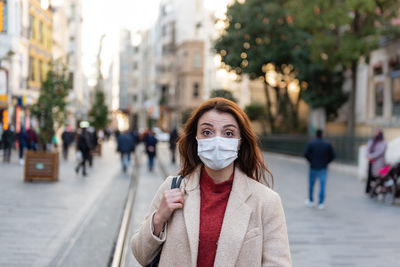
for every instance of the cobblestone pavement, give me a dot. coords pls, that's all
(42, 222)
(352, 230)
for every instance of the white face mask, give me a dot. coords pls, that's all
(217, 152)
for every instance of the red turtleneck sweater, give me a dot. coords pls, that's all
(214, 198)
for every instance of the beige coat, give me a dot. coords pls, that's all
(253, 231)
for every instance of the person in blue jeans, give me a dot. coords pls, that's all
(125, 145)
(319, 153)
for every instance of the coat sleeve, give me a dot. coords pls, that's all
(379, 151)
(276, 252)
(144, 244)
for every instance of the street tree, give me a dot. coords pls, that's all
(98, 114)
(261, 41)
(223, 93)
(343, 31)
(50, 108)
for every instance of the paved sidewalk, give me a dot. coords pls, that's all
(40, 218)
(147, 187)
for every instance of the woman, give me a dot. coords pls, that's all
(376, 148)
(222, 215)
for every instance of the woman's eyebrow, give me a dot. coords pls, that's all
(207, 124)
(229, 125)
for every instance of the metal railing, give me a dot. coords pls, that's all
(346, 148)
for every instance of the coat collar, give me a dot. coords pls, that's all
(235, 223)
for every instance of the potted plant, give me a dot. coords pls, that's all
(50, 112)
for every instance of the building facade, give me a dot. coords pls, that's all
(25, 52)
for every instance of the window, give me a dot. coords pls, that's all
(396, 96)
(196, 88)
(164, 30)
(40, 70)
(197, 61)
(378, 68)
(49, 38)
(41, 33)
(31, 26)
(31, 69)
(3, 23)
(135, 65)
(379, 99)
(134, 98)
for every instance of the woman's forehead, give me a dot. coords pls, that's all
(217, 118)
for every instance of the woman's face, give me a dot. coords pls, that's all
(214, 123)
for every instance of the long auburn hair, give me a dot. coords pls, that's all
(250, 159)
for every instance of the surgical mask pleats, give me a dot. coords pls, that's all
(217, 152)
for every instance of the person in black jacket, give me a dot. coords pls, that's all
(151, 143)
(173, 138)
(319, 153)
(84, 147)
(8, 138)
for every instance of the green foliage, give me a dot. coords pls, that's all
(50, 109)
(262, 31)
(185, 115)
(258, 32)
(325, 90)
(344, 30)
(255, 111)
(99, 112)
(223, 93)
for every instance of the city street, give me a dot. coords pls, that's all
(75, 221)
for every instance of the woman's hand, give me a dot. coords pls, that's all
(171, 200)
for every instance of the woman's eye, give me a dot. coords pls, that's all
(206, 132)
(229, 134)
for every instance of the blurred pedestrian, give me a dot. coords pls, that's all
(32, 139)
(151, 148)
(84, 149)
(222, 214)
(125, 147)
(8, 138)
(93, 143)
(67, 138)
(376, 148)
(23, 143)
(173, 138)
(135, 139)
(319, 153)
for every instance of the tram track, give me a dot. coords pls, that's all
(121, 247)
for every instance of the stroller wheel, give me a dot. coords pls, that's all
(390, 196)
(373, 191)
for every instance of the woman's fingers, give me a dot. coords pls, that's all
(176, 206)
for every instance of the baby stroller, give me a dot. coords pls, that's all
(386, 186)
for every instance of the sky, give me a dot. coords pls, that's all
(108, 17)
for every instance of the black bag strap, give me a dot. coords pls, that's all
(176, 182)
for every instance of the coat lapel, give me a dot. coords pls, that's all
(236, 220)
(191, 213)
